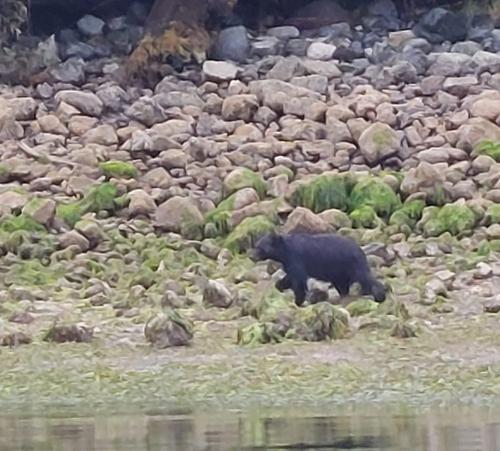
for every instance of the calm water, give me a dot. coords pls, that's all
(291, 429)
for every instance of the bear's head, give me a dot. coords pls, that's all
(268, 247)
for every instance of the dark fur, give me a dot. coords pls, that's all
(327, 257)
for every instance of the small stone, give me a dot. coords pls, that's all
(220, 70)
(91, 230)
(321, 51)
(72, 238)
(90, 25)
(141, 203)
(242, 106)
(15, 339)
(78, 333)
(435, 287)
(284, 32)
(492, 306)
(483, 271)
(217, 294)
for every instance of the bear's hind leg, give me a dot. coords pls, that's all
(342, 288)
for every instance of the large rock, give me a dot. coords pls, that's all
(377, 142)
(87, 102)
(440, 25)
(170, 329)
(41, 210)
(141, 203)
(10, 200)
(241, 106)
(448, 64)
(303, 220)
(232, 44)
(488, 108)
(178, 214)
(476, 130)
(424, 176)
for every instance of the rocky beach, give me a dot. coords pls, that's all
(127, 212)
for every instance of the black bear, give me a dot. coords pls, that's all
(327, 257)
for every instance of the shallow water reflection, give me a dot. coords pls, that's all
(287, 429)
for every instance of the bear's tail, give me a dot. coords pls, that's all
(370, 285)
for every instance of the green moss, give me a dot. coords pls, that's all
(101, 197)
(32, 273)
(365, 217)
(373, 192)
(218, 219)
(324, 193)
(488, 147)
(20, 222)
(247, 232)
(244, 178)
(495, 245)
(70, 213)
(258, 333)
(118, 169)
(455, 218)
(438, 196)
(269, 306)
(492, 215)
(408, 214)
(361, 307)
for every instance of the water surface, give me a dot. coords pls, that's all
(359, 428)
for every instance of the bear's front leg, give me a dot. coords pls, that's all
(297, 277)
(283, 284)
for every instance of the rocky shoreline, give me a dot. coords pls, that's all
(126, 212)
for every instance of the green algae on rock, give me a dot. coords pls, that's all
(456, 218)
(168, 329)
(361, 307)
(245, 234)
(320, 322)
(324, 193)
(118, 169)
(374, 192)
(20, 222)
(488, 147)
(365, 217)
(258, 333)
(492, 214)
(244, 178)
(100, 198)
(409, 213)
